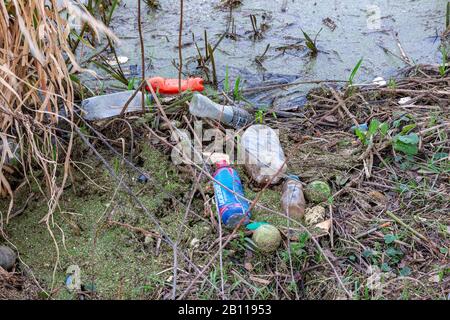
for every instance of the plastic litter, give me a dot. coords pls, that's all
(363, 127)
(264, 158)
(255, 225)
(232, 116)
(73, 278)
(232, 208)
(142, 179)
(404, 101)
(379, 81)
(110, 105)
(171, 86)
(120, 60)
(292, 199)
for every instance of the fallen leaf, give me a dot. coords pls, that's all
(331, 119)
(248, 266)
(325, 225)
(378, 197)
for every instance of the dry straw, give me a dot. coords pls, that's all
(35, 89)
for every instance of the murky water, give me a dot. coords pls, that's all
(361, 27)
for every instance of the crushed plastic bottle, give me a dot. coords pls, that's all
(232, 207)
(263, 156)
(110, 105)
(292, 200)
(232, 116)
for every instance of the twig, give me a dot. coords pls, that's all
(141, 41)
(363, 234)
(277, 86)
(135, 229)
(413, 231)
(344, 107)
(331, 228)
(180, 55)
(125, 106)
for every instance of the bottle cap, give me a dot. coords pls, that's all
(221, 163)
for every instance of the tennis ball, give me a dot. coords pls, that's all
(267, 238)
(317, 191)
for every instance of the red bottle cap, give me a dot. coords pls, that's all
(221, 163)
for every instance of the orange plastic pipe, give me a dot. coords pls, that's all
(170, 86)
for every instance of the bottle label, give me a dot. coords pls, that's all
(229, 203)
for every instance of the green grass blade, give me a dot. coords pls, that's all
(354, 71)
(236, 88)
(226, 85)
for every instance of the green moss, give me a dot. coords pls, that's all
(270, 198)
(317, 191)
(112, 257)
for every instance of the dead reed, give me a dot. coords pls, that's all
(37, 65)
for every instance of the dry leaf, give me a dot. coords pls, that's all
(325, 225)
(378, 197)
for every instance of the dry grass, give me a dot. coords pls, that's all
(35, 90)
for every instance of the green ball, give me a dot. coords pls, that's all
(267, 238)
(317, 191)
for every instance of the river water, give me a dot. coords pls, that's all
(354, 29)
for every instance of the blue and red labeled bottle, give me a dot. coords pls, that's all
(232, 208)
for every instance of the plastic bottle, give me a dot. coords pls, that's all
(171, 86)
(292, 200)
(232, 208)
(235, 117)
(263, 156)
(110, 105)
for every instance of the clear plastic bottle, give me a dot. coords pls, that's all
(232, 116)
(110, 105)
(263, 156)
(292, 200)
